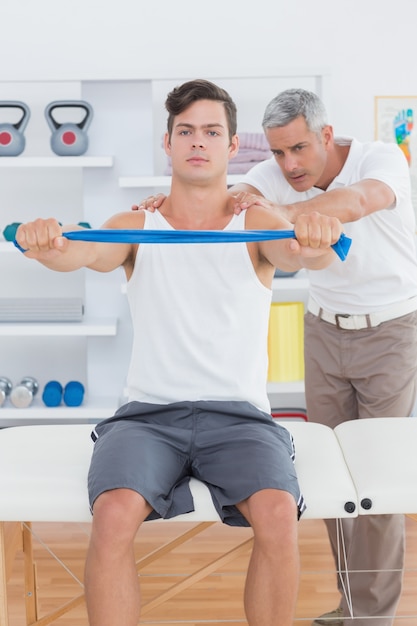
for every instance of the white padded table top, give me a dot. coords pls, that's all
(381, 454)
(323, 475)
(43, 474)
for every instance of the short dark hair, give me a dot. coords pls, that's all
(182, 96)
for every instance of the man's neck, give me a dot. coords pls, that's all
(197, 207)
(335, 162)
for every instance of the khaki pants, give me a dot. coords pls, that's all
(354, 374)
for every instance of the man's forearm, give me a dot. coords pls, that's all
(348, 203)
(342, 203)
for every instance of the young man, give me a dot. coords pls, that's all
(361, 324)
(197, 379)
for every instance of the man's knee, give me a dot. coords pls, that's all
(119, 512)
(271, 510)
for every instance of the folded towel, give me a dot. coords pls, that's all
(256, 141)
(245, 155)
(239, 168)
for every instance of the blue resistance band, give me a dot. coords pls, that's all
(341, 247)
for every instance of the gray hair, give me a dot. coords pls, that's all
(293, 103)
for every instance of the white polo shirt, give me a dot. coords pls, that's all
(381, 267)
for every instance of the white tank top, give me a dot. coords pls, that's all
(200, 317)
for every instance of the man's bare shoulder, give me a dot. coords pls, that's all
(126, 220)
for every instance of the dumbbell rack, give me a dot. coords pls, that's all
(92, 410)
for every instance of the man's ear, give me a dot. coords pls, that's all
(167, 144)
(327, 136)
(234, 146)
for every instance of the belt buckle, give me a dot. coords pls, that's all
(340, 315)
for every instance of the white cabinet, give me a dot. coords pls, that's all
(124, 163)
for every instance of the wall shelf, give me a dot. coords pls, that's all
(290, 283)
(94, 409)
(296, 386)
(56, 161)
(286, 394)
(88, 327)
(162, 181)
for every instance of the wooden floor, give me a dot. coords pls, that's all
(216, 599)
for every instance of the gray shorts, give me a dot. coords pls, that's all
(234, 448)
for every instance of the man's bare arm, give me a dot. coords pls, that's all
(44, 242)
(348, 203)
(311, 247)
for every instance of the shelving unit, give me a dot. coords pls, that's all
(39, 183)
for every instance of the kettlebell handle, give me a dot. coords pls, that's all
(79, 104)
(16, 104)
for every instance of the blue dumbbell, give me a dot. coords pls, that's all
(74, 393)
(52, 393)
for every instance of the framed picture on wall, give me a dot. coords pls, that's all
(396, 122)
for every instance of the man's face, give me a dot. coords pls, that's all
(301, 154)
(199, 146)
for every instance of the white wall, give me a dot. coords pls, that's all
(367, 46)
